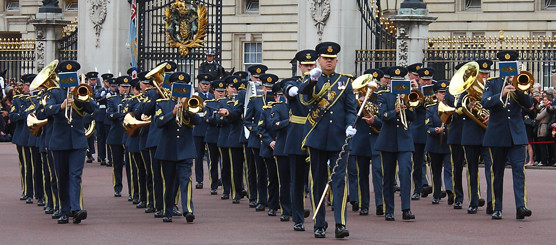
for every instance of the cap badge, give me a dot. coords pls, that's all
(507, 56)
(220, 85)
(68, 67)
(125, 80)
(426, 72)
(417, 67)
(308, 57)
(269, 79)
(330, 49)
(168, 66)
(235, 80)
(259, 70)
(242, 86)
(375, 74)
(485, 65)
(397, 72)
(181, 77)
(443, 85)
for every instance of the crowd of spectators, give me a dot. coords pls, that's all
(540, 122)
(7, 93)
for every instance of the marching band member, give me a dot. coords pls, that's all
(204, 80)
(418, 132)
(211, 135)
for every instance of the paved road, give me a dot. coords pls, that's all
(115, 221)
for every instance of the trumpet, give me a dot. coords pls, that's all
(522, 82)
(158, 75)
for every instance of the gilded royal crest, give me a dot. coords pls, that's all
(186, 25)
(485, 65)
(397, 72)
(426, 72)
(330, 49)
(68, 67)
(507, 56)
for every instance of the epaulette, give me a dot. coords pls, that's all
(254, 96)
(429, 105)
(275, 103)
(490, 78)
(347, 75)
(267, 107)
(163, 99)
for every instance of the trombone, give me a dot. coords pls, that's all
(191, 105)
(81, 93)
(522, 82)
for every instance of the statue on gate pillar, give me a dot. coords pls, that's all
(50, 6)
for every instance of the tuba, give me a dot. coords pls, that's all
(158, 76)
(465, 80)
(47, 78)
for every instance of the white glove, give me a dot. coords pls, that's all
(103, 93)
(350, 131)
(293, 91)
(315, 74)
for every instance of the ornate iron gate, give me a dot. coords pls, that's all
(68, 44)
(378, 42)
(153, 44)
(17, 57)
(537, 54)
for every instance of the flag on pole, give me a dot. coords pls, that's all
(133, 37)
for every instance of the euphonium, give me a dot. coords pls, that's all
(158, 76)
(465, 80)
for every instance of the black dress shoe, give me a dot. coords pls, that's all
(450, 198)
(481, 202)
(306, 213)
(284, 217)
(41, 202)
(364, 211)
(57, 214)
(23, 197)
(490, 208)
(299, 227)
(102, 163)
(129, 198)
(236, 200)
(199, 185)
(427, 189)
(176, 211)
(29, 200)
(225, 196)
(167, 219)
(243, 193)
(320, 232)
(141, 205)
(149, 210)
(407, 215)
(117, 194)
(260, 207)
(189, 217)
(435, 201)
(472, 210)
(497, 215)
(48, 210)
(135, 201)
(271, 212)
(78, 216)
(341, 231)
(109, 164)
(159, 214)
(523, 212)
(443, 194)
(396, 188)
(354, 206)
(219, 182)
(416, 196)
(389, 217)
(252, 204)
(458, 205)
(63, 219)
(89, 160)
(380, 210)
(213, 192)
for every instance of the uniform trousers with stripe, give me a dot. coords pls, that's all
(214, 158)
(117, 152)
(418, 163)
(404, 163)
(472, 154)
(439, 162)
(177, 174)
(319, 174)
(236, 160)
(457, 159)
(515, 157)
(69, 168)
(284, 181)
(149, 179)
(251, 173)
(298, 176)
(46, 180)
(156, 169)
(38, 182)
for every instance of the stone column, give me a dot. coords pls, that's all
(331, 20)
(413, 22)
(48, 28)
